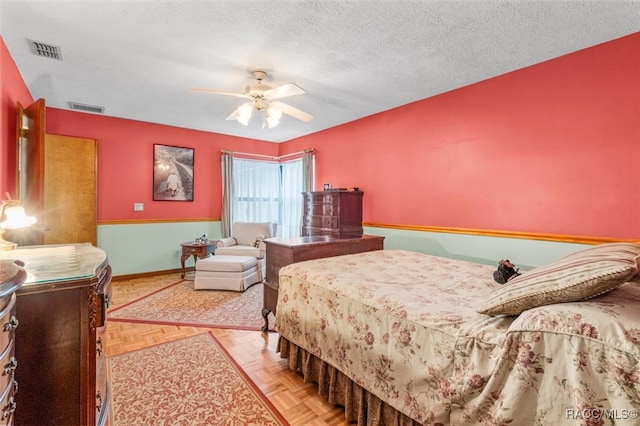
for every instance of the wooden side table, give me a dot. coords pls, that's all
(197, 250)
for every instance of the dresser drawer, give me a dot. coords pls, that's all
(5, 300)
(7, 403)
(320, 221)
(102, 395)
(8, 322)
(8, 366)
(323, 209)
(313, 197)
(103, 392)
(330, 222)
(312, 231)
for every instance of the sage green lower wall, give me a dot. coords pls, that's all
(526, 254)
(140, 248)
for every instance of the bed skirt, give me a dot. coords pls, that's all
(333, 385)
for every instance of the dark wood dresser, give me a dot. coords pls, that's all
(285, 251)
(11, 278)
(62, 373)
(335, 212)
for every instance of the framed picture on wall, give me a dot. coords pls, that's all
(172, 173)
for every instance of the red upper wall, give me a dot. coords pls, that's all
(125, 164)
(12, 91)
(551, 148)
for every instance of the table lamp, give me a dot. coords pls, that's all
(15, 218)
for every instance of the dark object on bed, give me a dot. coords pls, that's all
(506, 270)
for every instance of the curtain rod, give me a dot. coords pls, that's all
(272, 157)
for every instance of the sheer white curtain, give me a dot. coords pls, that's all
(256, 191)
(291, 199)
(265, 191)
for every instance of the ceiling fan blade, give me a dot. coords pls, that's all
(292, 111)
(284, 91)
(217, 92)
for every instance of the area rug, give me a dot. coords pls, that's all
(191, 381)
(180, 304)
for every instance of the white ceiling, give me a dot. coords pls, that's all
(139, 58)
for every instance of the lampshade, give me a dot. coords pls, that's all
(271, 114)
(273, 117)
(15, 218)
(244, 114)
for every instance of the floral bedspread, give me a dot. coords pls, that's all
(404, 326)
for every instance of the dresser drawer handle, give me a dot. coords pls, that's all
(9, 409)
(10, 366)
(99, 346)
(11, 325)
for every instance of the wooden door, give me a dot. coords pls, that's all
(56, 182)
(30, 168)
(70, 190)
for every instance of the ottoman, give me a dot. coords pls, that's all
(236, 273)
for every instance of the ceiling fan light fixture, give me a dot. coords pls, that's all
(273, 116)
(244, 120)
(244, 114)
(263, 99)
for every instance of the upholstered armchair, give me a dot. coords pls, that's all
(247, 240)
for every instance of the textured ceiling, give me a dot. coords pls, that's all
(138, 59)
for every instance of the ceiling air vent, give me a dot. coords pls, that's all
(45, 50)
(86, 108)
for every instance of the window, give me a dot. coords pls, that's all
(267, 191)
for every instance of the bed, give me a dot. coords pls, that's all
(396, 337)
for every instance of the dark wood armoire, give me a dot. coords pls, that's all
(334, 212)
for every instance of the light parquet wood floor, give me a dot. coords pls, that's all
(255, 352)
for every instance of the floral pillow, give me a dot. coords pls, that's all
(578, 276)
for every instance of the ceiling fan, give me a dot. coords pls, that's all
(264, 98)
